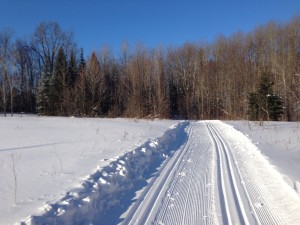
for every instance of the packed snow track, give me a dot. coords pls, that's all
(203, 172)
(205, 183)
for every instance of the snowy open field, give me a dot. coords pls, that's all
(55, 155)
(113, 171)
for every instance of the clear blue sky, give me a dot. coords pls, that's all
(152, 22)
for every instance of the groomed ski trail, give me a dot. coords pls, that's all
(231, 202)
(203, 172)
(204, 183)
(175, 187)
(185, 195)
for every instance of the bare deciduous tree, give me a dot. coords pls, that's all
(5, 63)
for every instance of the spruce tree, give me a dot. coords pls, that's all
(275, 104)
(58, 83)
(82, 63)
(72, 69)
(253, 106)
(43, 91)
(263, 104)
(80, 87)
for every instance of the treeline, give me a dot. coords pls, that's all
(47, 74)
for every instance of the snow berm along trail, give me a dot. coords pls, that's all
(196, 173)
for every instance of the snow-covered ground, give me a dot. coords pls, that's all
(216, 177)
(279, 142)
(52, 156)
(119, 171)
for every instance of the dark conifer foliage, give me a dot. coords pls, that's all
(263, 103)
(253, 106)
(276, 107)
(44, 92)
(223, 80)
(82, 63)
(59, 83)
(72, 72)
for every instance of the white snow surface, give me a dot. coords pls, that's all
(279, 142)
(120, 171)
(218, 176)
(55, 156)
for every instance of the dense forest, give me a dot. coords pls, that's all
(49, 75)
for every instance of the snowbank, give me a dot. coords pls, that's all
(52, 156)
(109, 191)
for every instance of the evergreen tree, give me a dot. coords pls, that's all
(275, 104)
(253, 106)
(72, 69)
(43, 92)
(263, 104)
(58, 83)
(80, 87)
(82, 63)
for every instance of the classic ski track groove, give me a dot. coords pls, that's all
(224, 162)
(151, 191)
(179, 174)
(252, 189)
(201, 179)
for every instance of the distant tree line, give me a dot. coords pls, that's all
(49, 75)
